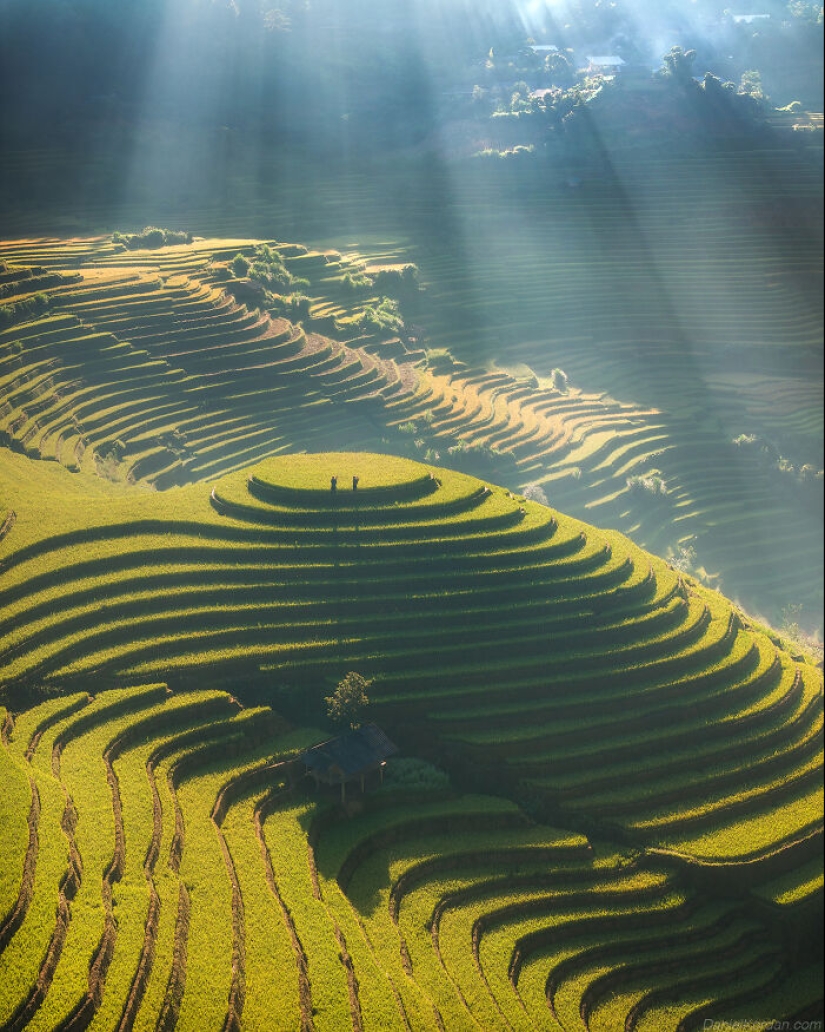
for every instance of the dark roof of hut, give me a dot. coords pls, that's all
(350, 754)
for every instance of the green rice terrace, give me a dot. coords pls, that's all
(166, 365)
(606, 811)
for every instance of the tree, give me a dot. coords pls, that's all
(751, 83)
(678, 65)
(520, 100)
(348, 700)
(806, 12)
(240, 265)
(559, 70)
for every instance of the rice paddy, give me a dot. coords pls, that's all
(243, 902)
(644, 746)
(155, 366)
(615, 817)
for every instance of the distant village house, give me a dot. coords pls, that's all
(747, 19)
(604, 64)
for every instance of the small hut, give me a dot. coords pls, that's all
(604, 64)
(349, 757)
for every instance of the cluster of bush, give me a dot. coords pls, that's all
(151, 237)
(384, 317)
(14, 280)
(394, 281)
(293, 306)
(772, 458)
(356, 283)
(651, 484)
(262, 279)
(479, 459)
(414, 775)
(519, 151)
(283, 291)
(683, 558)
(535, 493)
(266, 267)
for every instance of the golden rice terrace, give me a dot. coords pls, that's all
(411, 557)
(175, 365)
(619, 825)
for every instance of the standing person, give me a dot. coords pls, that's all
(355, 483)
(333, 484)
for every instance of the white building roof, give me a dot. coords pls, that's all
(605, 59)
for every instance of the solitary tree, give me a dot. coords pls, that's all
(240, 265)
(348, 700)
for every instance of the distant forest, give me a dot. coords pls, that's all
(364, 73)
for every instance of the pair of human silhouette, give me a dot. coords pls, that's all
(333, 484)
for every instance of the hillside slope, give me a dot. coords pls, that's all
(169, 366)
(669, 749)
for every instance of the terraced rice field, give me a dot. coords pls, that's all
(629, 832)
(153, 374)
(589, 675)
(688, 286)
(146, 368)
(164, 866)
